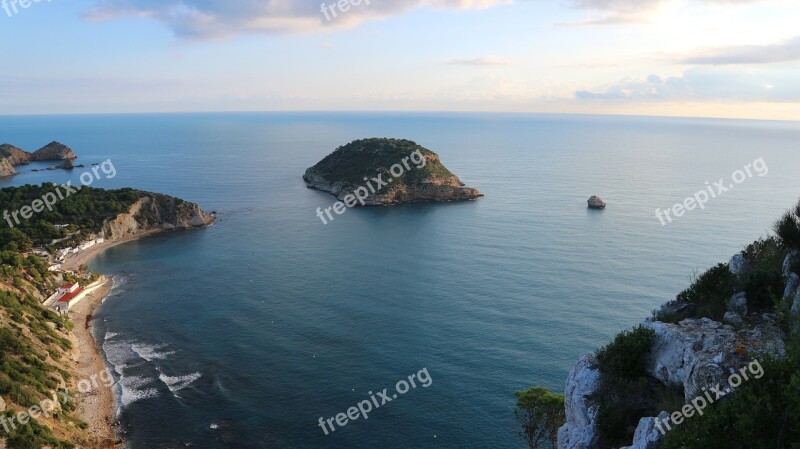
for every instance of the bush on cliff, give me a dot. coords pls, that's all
(540, 414)
(625, 357)
(788, 228)
(626, 387)
(710, 292)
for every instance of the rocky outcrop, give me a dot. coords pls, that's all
(647, 435)
(6, 168)
(15, 156)
(595, 202)
(694, 354)
(53, 151)
(407, 173)
(66, 165)
(697, 353)
(582, 406)
(152, 213)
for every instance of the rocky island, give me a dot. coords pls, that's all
(421, 177)
(11, 156)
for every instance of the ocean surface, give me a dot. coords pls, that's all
(244, 334)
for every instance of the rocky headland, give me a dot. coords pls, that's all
(424, 178)
(11, 156)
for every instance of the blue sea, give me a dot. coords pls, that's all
(244, 334)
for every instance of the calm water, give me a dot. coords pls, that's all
(242, 335)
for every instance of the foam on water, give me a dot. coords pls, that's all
(150, 352)
(135, 388)
(178, 383)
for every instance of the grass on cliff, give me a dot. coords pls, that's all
(368, 157)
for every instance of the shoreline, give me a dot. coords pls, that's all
(74, 261)
(98, 407)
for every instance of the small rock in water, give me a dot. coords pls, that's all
(595, 202)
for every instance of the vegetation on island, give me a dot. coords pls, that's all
(350, 163)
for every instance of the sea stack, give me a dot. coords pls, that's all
(387, 171)
(595, 202)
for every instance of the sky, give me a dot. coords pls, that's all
(699, 58)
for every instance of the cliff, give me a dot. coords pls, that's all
(731, 317)
(6, 168)
(407, 173)
(15, 156)
(53, 151)
(154, 212)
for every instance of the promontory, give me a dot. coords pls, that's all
(387, 171)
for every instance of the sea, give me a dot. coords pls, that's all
(246, 333)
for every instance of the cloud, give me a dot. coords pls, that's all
(626, 12)
(482, 61)
(786, 51)
(703, 84)
(215, 19)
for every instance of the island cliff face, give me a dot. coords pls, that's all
(15, 156)
(6, 169)
(425, 179)
(11, 156)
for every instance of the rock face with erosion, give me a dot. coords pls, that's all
(6, 169)
(693, 354)
(53, 151)
(154, 212)
(407, 173)
(595, 202)
(14, 155)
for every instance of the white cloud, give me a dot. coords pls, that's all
(624, 12)
(482, 61)
(213, 19)
(703, 84)
(786, 51)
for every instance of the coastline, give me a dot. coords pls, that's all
(97, 407)
(74, 261)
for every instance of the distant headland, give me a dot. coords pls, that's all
(11, 156)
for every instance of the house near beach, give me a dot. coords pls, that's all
(70, 294)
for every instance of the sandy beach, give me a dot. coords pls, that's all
(74, 261)
(96, 407)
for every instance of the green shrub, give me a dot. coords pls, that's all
(788, 228)
(626, 356)
(710, 292)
